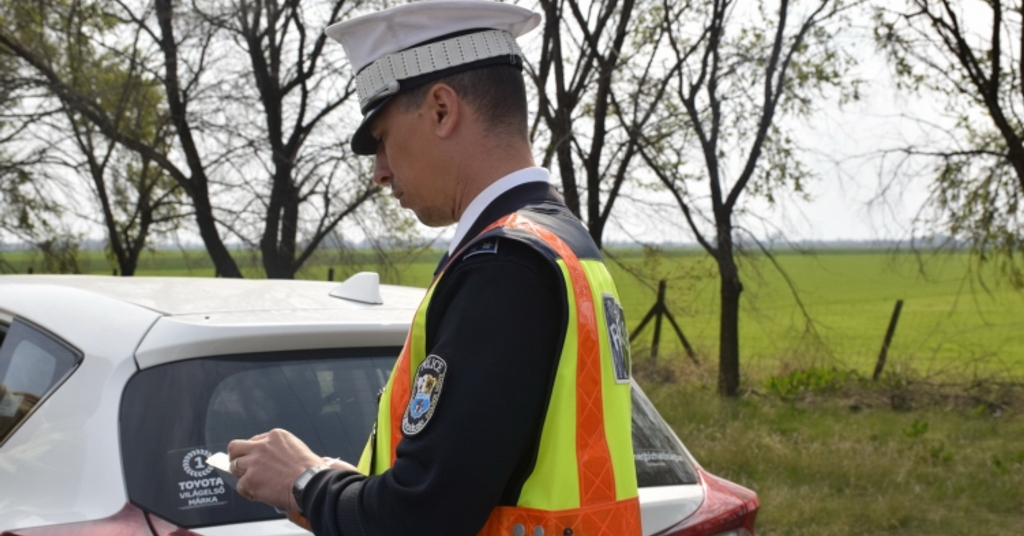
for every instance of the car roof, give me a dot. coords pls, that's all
(166, 319)
(196, 295)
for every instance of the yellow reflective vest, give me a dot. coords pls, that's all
(584, 480)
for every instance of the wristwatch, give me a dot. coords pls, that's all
(300, 483)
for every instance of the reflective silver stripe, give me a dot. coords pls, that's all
(380, 78)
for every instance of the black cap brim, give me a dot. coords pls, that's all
(363, 142)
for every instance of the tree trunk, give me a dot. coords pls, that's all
(219, 254)
(729, 332)
(278, 242)
(197, 187)
(596, 228)
(570, 191)
(128, 266)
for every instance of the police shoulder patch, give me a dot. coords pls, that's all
(488, 245)
(426, 388)
(618, 338)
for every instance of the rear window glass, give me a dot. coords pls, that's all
(32, 365)
(661, 459)
(174, 416)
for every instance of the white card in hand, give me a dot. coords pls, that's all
(220, 461)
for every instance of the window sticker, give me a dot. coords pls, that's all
(618, 338)
(199, 486)
(658, 458)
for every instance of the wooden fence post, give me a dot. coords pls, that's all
(888, 339)
(657, 312)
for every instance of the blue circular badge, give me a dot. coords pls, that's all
(420, 405)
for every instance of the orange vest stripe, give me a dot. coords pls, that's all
(597, 482)
(400, 394)
(620, 518)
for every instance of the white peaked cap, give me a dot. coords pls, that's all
(411, 41)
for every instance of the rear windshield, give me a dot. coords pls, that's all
(32, 365)
(174, 416)
(661, 459)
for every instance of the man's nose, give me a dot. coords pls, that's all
(382, 171)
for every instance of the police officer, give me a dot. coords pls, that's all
(508, 411)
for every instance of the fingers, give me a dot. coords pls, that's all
(240, 447)
(268, 464)
(235, 469)
(243, 489)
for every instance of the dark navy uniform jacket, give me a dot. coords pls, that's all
(497, 318)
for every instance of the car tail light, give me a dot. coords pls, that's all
(728, 510)
(130, 521)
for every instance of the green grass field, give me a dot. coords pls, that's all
(950, 326)
(823, 470)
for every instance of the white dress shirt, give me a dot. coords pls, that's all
(486, 197)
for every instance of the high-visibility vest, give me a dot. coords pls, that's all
(584, 480)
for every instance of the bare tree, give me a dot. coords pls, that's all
(299, 91)
(17, 206)
(740, 67)
(32, 42)
(969, 56)
(598, 84)
(281, 179)
(135, 197)
(32, 199)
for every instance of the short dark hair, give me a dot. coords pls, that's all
(496, 92)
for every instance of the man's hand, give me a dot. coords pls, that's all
(268, 464)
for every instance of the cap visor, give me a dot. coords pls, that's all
(363, 141)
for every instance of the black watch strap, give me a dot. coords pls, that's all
(302, 481)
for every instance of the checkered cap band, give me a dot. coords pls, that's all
(381, 78)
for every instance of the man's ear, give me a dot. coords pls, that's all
(445, 109)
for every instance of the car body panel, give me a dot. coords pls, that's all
(276, 527)
(667, 506)
(64, 464)
(83, 319)
(43, 477)
(194, 295)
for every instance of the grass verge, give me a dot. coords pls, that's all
(840, 457)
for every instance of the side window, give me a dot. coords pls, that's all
(32, 365)
(661, 459)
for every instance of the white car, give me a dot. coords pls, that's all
(113, 391)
